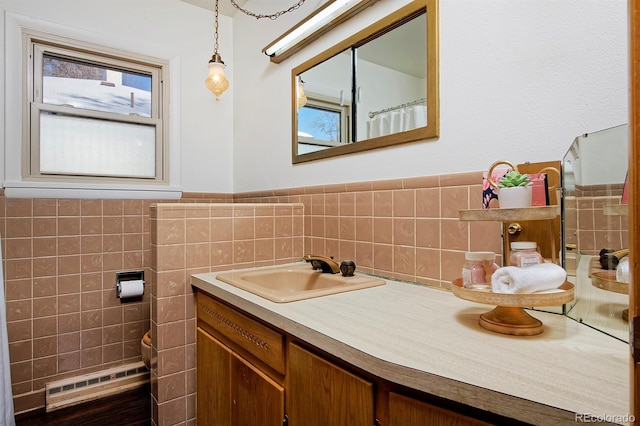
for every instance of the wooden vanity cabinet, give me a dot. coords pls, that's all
(231, 391)
(240, 363)
(320, 393)
(242, 376)
(406, 411)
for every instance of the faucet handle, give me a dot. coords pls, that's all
(347, 267)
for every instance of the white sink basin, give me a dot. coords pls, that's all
(289, 283)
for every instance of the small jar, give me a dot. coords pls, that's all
(524, 253)
(478, 268)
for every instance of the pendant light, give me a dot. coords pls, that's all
(216, 81)
(302, 98)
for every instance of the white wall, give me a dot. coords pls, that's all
(519, 80)
(168, 29)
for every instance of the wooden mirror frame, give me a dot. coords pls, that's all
(430, 131)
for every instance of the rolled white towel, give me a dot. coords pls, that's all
(534, 278)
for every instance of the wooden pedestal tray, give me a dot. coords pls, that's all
(509, 316)
(606, 280)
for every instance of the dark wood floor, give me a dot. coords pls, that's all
(131, 408)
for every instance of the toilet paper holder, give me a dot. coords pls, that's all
(122, 277)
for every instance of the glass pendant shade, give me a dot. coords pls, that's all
(302, 98)
(216, 81)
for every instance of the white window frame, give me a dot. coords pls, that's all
(18, 180)
(38, 45)
(333, 105)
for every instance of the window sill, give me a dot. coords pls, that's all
(89, 191)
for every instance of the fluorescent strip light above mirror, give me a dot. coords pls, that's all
(326, 17)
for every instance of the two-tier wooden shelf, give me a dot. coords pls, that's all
(606, 279)
(547, 214)
(509, 315)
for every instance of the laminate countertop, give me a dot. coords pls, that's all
(428, 339)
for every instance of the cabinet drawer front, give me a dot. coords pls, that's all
(261, 341)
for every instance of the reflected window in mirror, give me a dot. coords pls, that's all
(384, 79)
(322, 123)
(325, 120)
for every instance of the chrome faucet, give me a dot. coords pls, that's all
(323, 263)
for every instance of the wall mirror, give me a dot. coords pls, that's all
(595, 218)
(377, 88)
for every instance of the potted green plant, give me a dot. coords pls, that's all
(514, 190)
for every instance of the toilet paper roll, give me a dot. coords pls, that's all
(131, 288)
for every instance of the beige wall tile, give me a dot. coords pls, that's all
(68, 303)
(428, 263)
(264, 226)
(45, 286)
(404, 203)
(243, 251)
(383, 203)
(91, 357)
(347, 202)
(364, 204)
(427, 233)
(383, 230)
(68, 342)
(17, 248)
(454, 235)
(221, 229)
(18, 227)
(112, 353)
(44, 306)
(19, 330)
(68, 323)
(18, 310)
(18, 289)
(404, 232)
(47, 326)
(428, 202)
(21, 351)
(68, 226)
(43, 247)
(383, 259)
(44, 207)
(68, 207)
(19, 207)
(45, 367)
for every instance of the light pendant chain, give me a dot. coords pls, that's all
(272, 16)
(215, 48)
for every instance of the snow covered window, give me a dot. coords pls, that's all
(94, 114)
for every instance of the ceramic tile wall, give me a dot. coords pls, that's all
(406, 228)
(595, 229)
(193, 238)
(592, 226)
(63, 317)
(60, 257)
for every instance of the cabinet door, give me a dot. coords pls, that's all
(256, 399)
(320, 393)
(213, 381)
(405, 411)
(232, 392)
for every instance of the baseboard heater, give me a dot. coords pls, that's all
(75, 390)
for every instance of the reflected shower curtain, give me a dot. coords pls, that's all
(398, 120)
(6, 401)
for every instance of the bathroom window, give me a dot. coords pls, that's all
(94, 114)
(323, 122)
